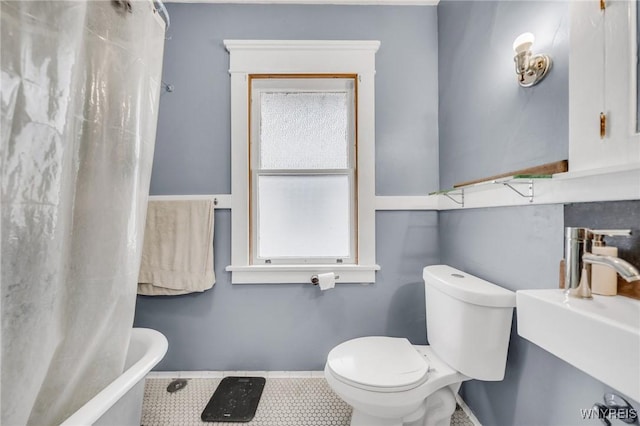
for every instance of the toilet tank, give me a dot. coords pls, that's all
(468, 321)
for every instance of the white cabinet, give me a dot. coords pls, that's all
(603, 80)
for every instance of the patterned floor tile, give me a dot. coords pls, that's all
(284, 402)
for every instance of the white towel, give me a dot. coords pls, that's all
(177, 256)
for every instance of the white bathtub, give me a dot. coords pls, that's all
(120, 403)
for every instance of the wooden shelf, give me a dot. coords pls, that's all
(542, 171)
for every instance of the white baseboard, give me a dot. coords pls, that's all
(467, 411)
(221, 374)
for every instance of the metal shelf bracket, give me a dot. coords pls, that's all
(512, 185)
(452, 194)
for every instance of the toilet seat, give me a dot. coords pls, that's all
(377, 363)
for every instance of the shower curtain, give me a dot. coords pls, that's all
(80, 86)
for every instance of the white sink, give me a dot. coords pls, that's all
(600, 336)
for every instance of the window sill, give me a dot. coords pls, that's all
(286, 274)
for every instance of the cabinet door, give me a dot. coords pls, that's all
(602, 81)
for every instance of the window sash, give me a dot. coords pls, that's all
(309, 144)
(352, 259)
(294, 83)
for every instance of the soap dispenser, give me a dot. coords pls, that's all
(604, 280)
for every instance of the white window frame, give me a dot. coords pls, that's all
(250, 57)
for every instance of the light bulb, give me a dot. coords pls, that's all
(523, 42)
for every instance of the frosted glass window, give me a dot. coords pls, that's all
(304, 216)
(303, 170)
(304, 130)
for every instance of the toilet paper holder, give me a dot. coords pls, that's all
(315, 280)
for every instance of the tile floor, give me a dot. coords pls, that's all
(285, 402)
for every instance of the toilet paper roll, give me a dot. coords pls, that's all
(326, 281)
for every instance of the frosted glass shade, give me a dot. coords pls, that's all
(304, 130)
(304, 216)
(523, 42)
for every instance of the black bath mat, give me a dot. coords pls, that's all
(235, 400)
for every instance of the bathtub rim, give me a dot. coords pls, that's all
(156, 345)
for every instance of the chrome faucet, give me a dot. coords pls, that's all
(575, 244)
(626, 270)
(579, 260)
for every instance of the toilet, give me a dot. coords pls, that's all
(390, 382)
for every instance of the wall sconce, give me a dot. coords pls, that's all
(530, 69)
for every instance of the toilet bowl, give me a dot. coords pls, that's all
(387, 381)
(390, 382)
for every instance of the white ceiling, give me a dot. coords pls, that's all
(335, 2)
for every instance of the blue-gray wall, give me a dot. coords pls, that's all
(193, 153)
(292, 327)
(519, 248)
(488, 125)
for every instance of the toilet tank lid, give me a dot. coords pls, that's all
(466, 287)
